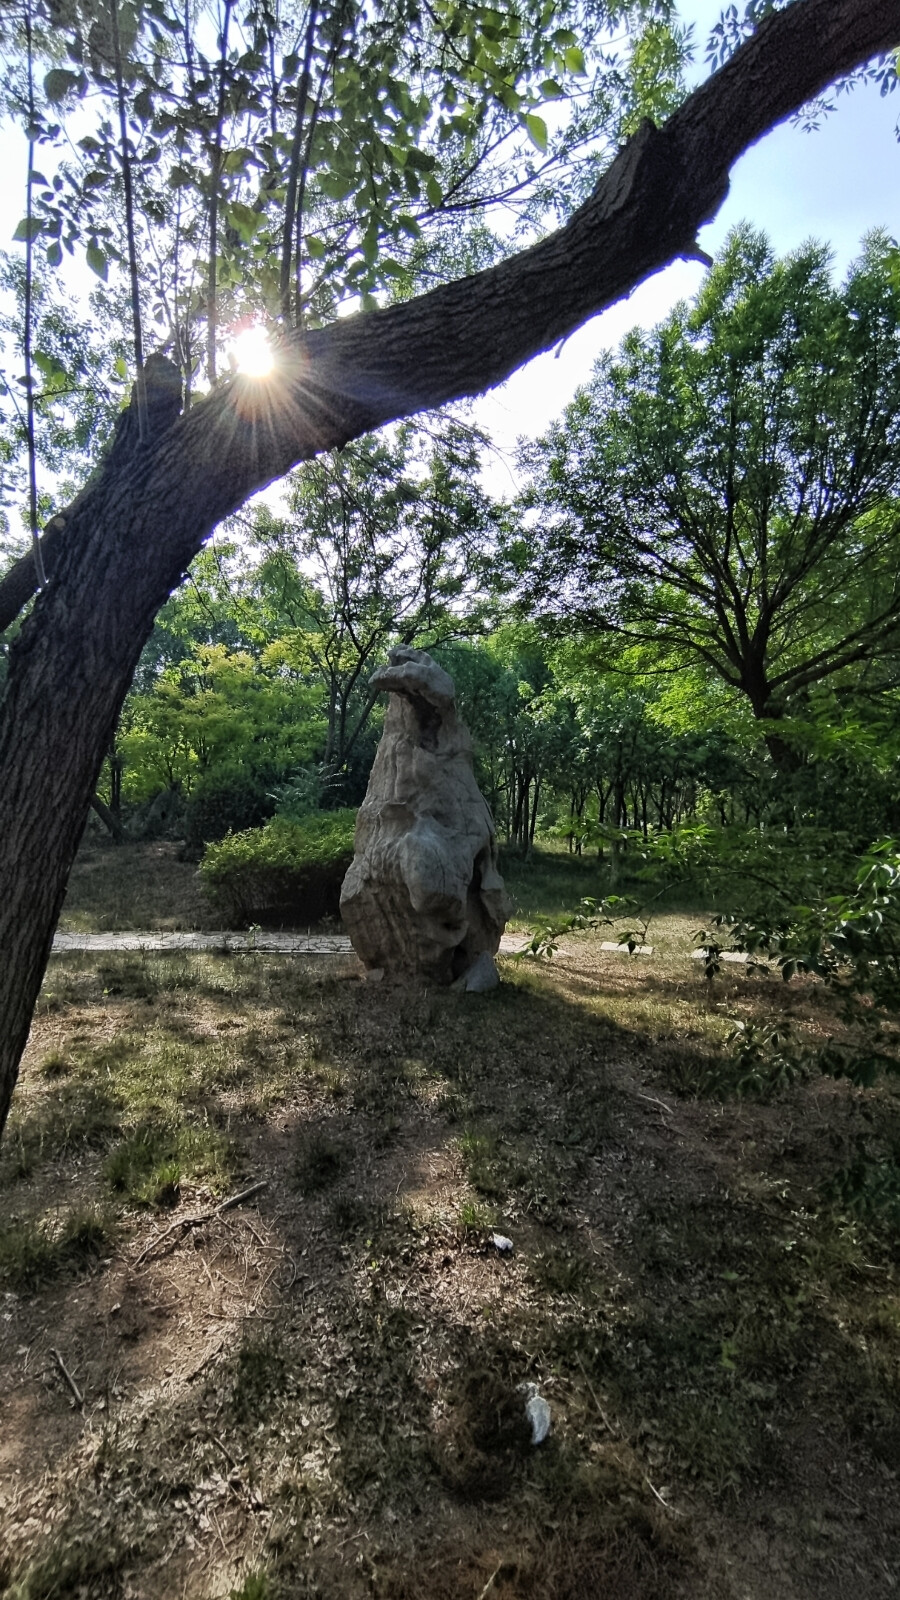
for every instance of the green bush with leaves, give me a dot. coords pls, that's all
(226, 802)
(285, 872)
(849, 940)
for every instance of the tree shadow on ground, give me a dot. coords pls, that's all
(322, 1395)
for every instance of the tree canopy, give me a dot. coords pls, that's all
(727, 488)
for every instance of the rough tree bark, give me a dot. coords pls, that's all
(130, 537)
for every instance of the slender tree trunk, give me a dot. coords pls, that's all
(116, 765)
(212, 293)
(534, 814)
(108, 818)
(518, 804)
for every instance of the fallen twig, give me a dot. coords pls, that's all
(225, 1451)
(79, 1397)
(183, 1224)
(490, 1583)
(210, 1354)
(238, 1199)
(664, 1503)
(215, 1522)
(653, 1101)
(603, 1417)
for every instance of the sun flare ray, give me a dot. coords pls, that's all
(251, 351)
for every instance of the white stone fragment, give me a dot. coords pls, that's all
(537, 1411)
(739, 956)
(482, 975)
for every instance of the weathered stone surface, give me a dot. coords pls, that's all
(423, 898)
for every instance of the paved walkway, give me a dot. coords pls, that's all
(270, 944)
(292, 944)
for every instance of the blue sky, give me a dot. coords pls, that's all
(833, 185)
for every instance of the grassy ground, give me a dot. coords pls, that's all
(149, 886)
(317, 1393)
(551, 882)
(115, 888)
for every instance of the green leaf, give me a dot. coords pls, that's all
(50, 367)
(237, 160)
(550, 89)
(120, 368)
(243, 218)
(315, 248)
(335, 186)
(574, 59)
(59, 82)
(96, 259)
(537, 131)
(434, 191)
(28, 228)
(54, 254)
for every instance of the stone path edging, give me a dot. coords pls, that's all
(294, 944)
(286, 944)
(269, 944)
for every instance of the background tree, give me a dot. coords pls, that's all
(729, 485)
(382, 544)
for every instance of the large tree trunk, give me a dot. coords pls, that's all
(131, 535)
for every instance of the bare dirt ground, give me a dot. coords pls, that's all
(317, 1392)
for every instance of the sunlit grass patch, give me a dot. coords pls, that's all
(34, 1250)
(255, 1586)
(185, 1068)
(140, 885)
(149, 1164)
(73, 1562)
(59, 1122)
(476, 1218)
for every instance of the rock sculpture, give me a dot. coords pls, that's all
(423, 898)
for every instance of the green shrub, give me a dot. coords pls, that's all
(284, 872)
(226, 803)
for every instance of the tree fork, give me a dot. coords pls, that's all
(132, 534)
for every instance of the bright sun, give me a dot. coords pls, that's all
(252, 352)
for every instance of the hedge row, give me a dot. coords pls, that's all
(284, 873)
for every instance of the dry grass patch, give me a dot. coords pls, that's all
(144, 885)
